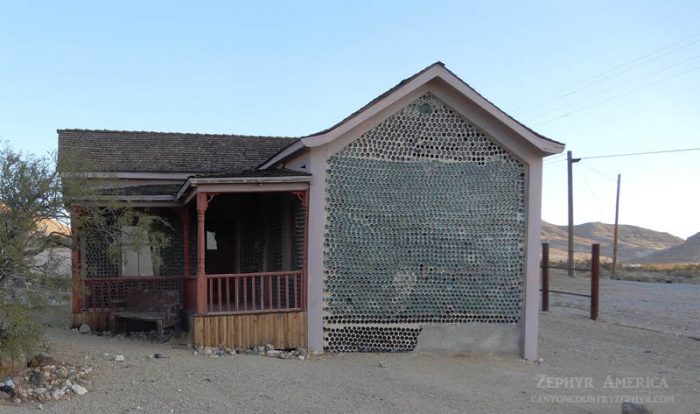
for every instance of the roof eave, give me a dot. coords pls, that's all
(283, 154)
(197, 181)
(436, 71)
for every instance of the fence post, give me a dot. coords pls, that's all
(595, 280)
(545, 277)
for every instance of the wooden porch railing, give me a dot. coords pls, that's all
(256, 292)
(108, 294)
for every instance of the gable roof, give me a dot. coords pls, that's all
(165, 152)
(436, 70)
(108, 151)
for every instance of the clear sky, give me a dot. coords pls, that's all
(605, 77)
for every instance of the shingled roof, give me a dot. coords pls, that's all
(166, 152)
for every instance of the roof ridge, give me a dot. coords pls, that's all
(377, 99)
(121, 131)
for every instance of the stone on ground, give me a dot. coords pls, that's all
(632, 408)
(78, 389)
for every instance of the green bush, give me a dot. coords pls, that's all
(19, 334)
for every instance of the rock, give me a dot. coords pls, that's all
(252, 352)
(39, 390)
(208, 351)
(8, 383)
(285, 355)
(78, 389)
(232, 352)
(57, 394)
(23, 392)
(220, 353)
(273, 353)
(4, 396)
(84, 329)
(259, 349)
(17, 401)
(119, 358)
(37, 379)
(632, 408)
(159, 356)
(195, 352)
(382, 364)
(301, 357)
(269, 347)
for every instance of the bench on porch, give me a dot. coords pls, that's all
(161, 307)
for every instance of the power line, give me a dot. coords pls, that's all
(574, 103)
(618, 96)
(555, 157)
(629, 65)
(555, 161)
(631, 154)
(597, 171)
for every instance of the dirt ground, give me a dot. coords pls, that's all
(673, 308)
(658, 354)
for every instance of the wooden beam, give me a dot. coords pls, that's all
(305, 262)
(545, 277)
(75, 263)
(595, 280)
(287, 233)
(202, 205)
(237, 239)
(184, 214)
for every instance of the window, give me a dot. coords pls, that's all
(211, 240)
(136, 253)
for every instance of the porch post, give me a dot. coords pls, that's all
(305, 257)
(201, 303)
(75, 262)
(184, 213)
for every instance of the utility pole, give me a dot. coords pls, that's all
(617, 216)
(569, 162)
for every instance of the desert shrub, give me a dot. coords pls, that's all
(19, 334)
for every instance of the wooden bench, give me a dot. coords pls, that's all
(159, 306)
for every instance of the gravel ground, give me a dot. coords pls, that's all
(571, 346)
(665, 307)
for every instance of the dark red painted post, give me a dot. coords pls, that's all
(305, 263)
(545, 277)
(595, 280)
(75, 263)
(184, 213)
(201, 303)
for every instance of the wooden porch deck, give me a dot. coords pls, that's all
(243, 310)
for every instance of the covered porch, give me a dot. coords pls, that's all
(238, 260)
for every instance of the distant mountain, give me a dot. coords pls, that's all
(687, 252)
(634, 242)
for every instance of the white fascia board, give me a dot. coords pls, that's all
(129, 198)
(134, 201)
(194, 182)
(132, 175)
(543, 145)
(283, 154)
(546, 146)
(329, 136)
